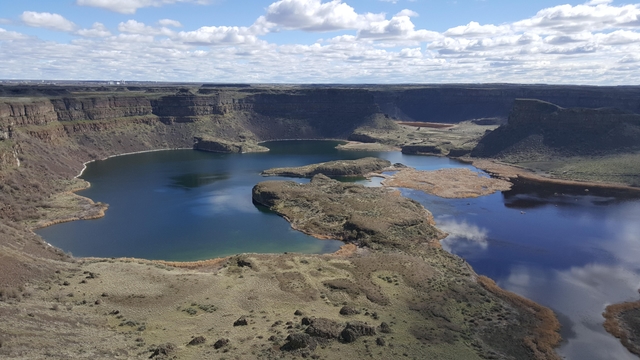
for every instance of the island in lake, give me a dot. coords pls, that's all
(391, 291)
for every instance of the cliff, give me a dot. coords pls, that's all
(455, 103)
(539, 130)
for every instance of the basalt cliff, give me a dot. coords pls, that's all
(130, 308)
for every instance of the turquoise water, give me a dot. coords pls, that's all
(571, 250)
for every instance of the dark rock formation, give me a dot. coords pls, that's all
(198, 340)
(297, 341)
(357, 167)
(206, 143)
(242, 321)
(324, 328)
(220, 343)
(349, 310)
(163, 351)
(422, 150)
(538, 130)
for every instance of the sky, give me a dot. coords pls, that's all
(322, 41)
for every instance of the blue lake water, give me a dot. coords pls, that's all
(571, 250)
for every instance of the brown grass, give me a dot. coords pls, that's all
(447, 183)
(426, 124)
(508, 171)
(614, 326)
(545, 335)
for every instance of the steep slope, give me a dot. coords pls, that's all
(538, 130)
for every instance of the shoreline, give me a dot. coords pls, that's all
(508, 171)
(84, 164)
(613, 324)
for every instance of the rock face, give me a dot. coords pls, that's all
(538, 130)
(352, 213)
(210, 144)
(357, 167)
(455, 103)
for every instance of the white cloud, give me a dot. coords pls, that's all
(135, 27)
(47, 20)
(97, 30)
(131, 6)
(597, 15)
(214, 35)
(407, 12)
(11, 35)
(399, 28)
(474, 29)
(169, 22)
(313, 15)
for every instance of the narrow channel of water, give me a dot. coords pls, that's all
(571, 250)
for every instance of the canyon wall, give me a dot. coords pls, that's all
(538, 130)
(454, 103)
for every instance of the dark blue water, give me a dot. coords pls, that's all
(191, 205)
(568, 249)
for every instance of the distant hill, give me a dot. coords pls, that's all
(538, 131)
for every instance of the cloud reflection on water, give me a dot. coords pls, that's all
(462, 235)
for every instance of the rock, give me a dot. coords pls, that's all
(361, 329)
(220, 343)
(349, 310)
(197, 341)
(298, 313)
(381, 342)
(348, 335)
(357, 167)
(206, 143)
(306, 321)
(163, 350)
(242, 321)
(297, 341)
(324, 328)
(385, 328)
(98, 302)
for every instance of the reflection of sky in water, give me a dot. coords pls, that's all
(575, 254)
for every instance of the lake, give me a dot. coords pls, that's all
(572, 250)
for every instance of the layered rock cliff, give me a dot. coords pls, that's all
(538, 130)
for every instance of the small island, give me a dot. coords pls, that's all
(211, 144)
(360, 167)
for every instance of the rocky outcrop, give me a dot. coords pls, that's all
(205, 143)
(359, 167)
(353, 213)
(538, 130)
(422, 150)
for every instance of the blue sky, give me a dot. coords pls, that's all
(322, 41)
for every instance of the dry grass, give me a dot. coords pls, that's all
(615, 324)
(545, 336)
(447, 183)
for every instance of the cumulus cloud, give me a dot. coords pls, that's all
(97, 30)
(11, 35)
(399, 28)
(596, 15)
(593, 43)
(47, 20)
(407, 12)
(474, 29)
(135, 27)
(215, 35)
(131, 6)
(314, 15)
(169, 22)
